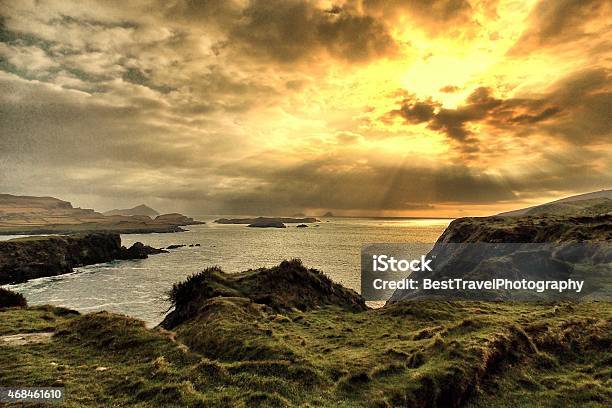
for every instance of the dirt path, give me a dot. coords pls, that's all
(22, 339)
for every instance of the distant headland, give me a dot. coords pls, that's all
(49, 215)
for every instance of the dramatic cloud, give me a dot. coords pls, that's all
(574, 108)
(557, 22)
(435, 16)
(407, 107)
(287, 31)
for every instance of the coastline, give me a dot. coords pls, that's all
(22, 259)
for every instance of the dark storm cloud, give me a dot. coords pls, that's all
(555, 22)
(340, 185)
(291, 30)
(575, 109)
(328, 184)
(417, 111)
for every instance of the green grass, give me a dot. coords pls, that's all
(240, 353)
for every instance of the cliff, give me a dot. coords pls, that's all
(35, 257)
(516, 248)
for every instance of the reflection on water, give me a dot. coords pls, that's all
(137, 287)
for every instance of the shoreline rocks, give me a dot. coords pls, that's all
(23, 259)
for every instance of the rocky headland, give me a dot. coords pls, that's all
(525, 247)
(35, 257)
(48, 215)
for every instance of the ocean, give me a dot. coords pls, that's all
(137, 287)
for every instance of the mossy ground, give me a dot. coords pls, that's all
(421, 353)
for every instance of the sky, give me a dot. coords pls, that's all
(385, 108)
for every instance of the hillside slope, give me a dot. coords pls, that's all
(241, 347)
(138, 210)
(594, 203)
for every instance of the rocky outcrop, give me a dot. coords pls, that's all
(176, 219)
(531, 248)
(9, 298)
(35, 257)
(263, 220)
(267, 224)
(286, 287)
(175, 246)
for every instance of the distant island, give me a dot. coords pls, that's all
(267, 224)
(49, 215)
(264, 221)
(138, 210)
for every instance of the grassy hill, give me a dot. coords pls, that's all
(594, 206)
(594, 203)
(238, 342)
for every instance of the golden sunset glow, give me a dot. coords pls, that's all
(432, 108)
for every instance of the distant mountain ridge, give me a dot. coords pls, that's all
(49, 215)
(594, 203)
(141, 209)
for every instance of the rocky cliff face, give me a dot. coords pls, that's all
(531, 248)
(36, 257)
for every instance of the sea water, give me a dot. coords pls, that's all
(138, 287)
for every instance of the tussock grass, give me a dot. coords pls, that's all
(239, 350)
